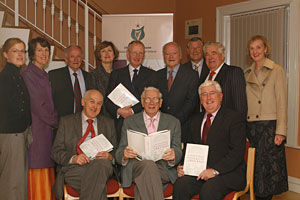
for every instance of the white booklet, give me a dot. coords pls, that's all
(195, 160)
(149, 147)
(94, 145)
(122, 97)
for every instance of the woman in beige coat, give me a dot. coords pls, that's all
(267, 119)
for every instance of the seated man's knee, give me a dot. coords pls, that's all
(210, 191)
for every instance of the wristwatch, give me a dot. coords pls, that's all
(215, 172)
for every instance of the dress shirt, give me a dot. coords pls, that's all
(216, 73)
(211, 119)
(175, 70)
(200, 66)
(81, 82)
(131, 72)
(147, 120)
(85, 124)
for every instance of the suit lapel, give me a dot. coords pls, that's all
(78, 126)
(221, 75)
(179, 78)
(68, 80)
(125, 76)
(197, 129)
(216, 123)
(140, 123)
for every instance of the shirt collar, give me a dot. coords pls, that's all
(200, 63)
(174, 70)
(147, 117)
(132, 68)
(84, 117)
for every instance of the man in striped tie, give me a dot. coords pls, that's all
(87, 176)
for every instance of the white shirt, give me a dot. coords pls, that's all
(216, 72)
(85, 124)
(211, 119)
(131, 72)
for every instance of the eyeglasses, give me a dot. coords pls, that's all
(148, 100)
(205, 94)
(15, 51)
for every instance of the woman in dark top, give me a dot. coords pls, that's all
(106, 53)
(44, 120)
(14, 122)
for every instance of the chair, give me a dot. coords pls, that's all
(112, 189)
(249, 157)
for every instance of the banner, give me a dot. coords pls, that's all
(154, 30)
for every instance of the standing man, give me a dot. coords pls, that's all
(178, 84)
(149, 176)
(134, 77)
(224, 131)
(69, 83)
(88, 177)
(231, 78)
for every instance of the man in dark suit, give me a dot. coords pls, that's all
(231, 78)
(134, 77)
(149, 176)
(197, 62)
(178, 85)
(88, 177)
(223, 130)
(63, 83)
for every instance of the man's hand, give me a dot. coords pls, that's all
(206, 174)
(80, 159)
(129, 153)
(279, 139)
(169, 155)
(125, 112)
(180, 171)
(104, 155)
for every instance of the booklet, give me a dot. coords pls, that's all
(195, 160)
(94, 145)
(122, 97)
(149, 147)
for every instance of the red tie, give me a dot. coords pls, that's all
(206, 128)
(170, 80)
(212, 73)
(89, 129)
(77, 94)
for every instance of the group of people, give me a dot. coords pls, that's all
(44, 117)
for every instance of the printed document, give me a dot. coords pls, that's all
(94, 145)
(149, 147)
(122, 97)
(195, 160)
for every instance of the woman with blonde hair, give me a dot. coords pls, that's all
(14, 122)
(267, 119)
(44, 120)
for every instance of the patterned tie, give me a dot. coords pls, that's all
(212, 73)
(89, 129)
(170, 80)
(206, 128)
(196, 67)
(77, 94)
(134, 77)
(151, 127)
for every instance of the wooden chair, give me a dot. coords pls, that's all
(249, 157)
(113, 190)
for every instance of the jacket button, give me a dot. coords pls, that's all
(168, 107)
(248, 117)
(256, 116)
(259, 102)
(264, 84)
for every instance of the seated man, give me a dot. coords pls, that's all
(88, 177)
(149, 176)
(223, 130)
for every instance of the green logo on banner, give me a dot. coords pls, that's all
(138, 33)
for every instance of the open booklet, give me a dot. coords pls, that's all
(122, 97)
(149, 147)
(195, 160)
(94, 145)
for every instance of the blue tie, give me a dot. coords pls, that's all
(134, 77)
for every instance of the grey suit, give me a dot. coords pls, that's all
(86, 179)
(136, 122)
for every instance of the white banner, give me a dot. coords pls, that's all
(154, 30)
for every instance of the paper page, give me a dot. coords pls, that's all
(94, 145)
(195, 160)
(136, 140)
(122, 97)
(158, 144)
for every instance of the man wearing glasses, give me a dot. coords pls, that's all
(149, 176)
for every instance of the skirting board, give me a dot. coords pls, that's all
(294, 184)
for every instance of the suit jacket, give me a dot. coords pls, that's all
(62, 90)
(204, 73)
(146, 77)
(232, 81)
(226, 140)
(64, 147)
(136, 122)
(181, 100)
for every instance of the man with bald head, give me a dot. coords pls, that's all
(178, 85)
(88, 177)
